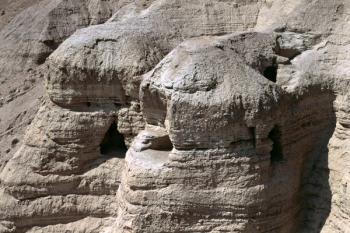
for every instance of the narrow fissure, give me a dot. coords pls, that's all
(276, 152)
(253, 135)
(113, 143)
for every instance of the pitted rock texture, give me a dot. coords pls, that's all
(179, 116)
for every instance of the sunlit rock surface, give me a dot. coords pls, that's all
(176, 116)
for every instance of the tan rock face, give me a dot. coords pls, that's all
(26, 42)
(51, 23)
(183, 116)
(246, 160)
(114, 53)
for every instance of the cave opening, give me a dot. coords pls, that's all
(113, 143)
(276, 153)
(270, 73)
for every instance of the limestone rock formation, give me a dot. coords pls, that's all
(26, 42)
(180, 116)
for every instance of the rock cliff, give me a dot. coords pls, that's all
(176, 116)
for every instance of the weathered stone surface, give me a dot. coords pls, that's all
(26, 42)
(9, 9)
(235, 115)
(107, 57)
(239, 156)
(51, 22)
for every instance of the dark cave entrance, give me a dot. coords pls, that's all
(51, 46)
(270, 73)
(276, 152)
(113, 143)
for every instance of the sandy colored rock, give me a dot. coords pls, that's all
(178, 116)
(26, 41)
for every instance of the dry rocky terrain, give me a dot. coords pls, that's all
(175, 116)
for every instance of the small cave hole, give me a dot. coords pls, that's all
(53, 45)
(276, 152)
(88, 104)
(41, 58)
(14, 142)
(113, 143)
(117, 105)
(270, 73)
(162, 144)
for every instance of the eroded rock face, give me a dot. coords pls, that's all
(51, 23)
(109, 57)
(178, 116)
(26, 42)
(246, 160)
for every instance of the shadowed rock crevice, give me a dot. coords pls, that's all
(252, 131)
(113, 143)
(277, 151)
(49, 47)
(270, 73)
(316, 190)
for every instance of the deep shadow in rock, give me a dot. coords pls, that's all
(113, 143)
(276, 153)
(270, 73)
(316, 194)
